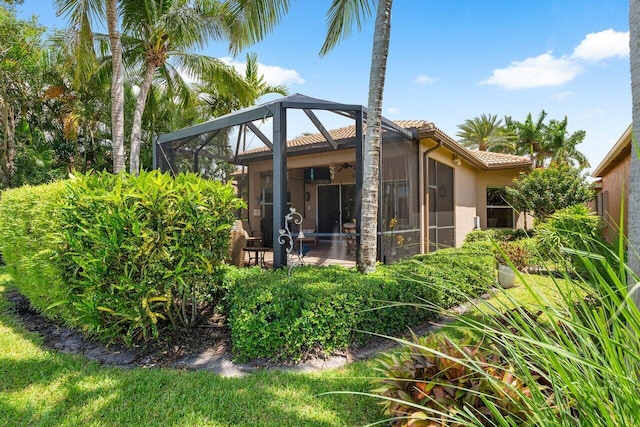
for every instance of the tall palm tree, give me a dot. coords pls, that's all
(342, 15)
(529, 137)
(633, 206)
(160, 34)
(81, 14)
(117, 88)
(486, 133)
(559, 147)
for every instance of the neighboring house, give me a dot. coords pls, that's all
(613, 186)
(433, 191)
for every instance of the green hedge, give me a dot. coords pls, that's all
(276, 316)
(29, 241)
(121, 255)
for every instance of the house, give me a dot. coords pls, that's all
(433, 191)
(612, 187)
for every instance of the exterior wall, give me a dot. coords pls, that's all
(499, 178)
(615, 187)
(470, 185)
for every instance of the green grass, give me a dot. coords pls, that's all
(46, 388)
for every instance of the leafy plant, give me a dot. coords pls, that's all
(544, 191)
(140, 250)
(579, 350)
(434, 381)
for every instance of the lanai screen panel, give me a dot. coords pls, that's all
(208, 154)
(400, 203)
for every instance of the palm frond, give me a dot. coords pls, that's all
(341, 17)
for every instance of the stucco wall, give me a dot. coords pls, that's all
(615, 186)
(499, 178)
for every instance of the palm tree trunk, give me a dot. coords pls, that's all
(633, 206)
(136, 127)
(7, 150)
(117, 89)
(371, 153)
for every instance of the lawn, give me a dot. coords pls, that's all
(43, 387)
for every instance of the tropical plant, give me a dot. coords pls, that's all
(544, 191)
(20, 68)
(547, 144)
(559, 146)
(529, 135)
(81, 14)
(486, 133)
(581, 344)
(450, 379)
(159, 37)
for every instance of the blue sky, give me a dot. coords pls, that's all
(453, 60)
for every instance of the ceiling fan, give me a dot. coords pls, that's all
(346, 165)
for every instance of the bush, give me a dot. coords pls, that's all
(117, 255)
(451, 380)
(576, 228)
(139, 250)
(521, 253)
(498, 235)
(277, 316)
(28, 241)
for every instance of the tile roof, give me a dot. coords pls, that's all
(342, 133)
(484, 159)
(491, 158)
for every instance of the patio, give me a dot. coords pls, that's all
(326, 252)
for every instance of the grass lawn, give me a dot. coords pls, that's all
(42, 387)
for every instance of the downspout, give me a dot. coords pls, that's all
(425, 158)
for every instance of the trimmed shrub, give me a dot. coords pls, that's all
(28, 241)
(497, 235)
(116, 255)
(279, 315)
(140, 250)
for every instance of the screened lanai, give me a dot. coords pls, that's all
(320, 174)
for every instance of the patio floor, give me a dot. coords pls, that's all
(326, 252)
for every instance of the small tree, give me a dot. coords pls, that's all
(544, 191)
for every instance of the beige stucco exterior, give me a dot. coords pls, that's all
(469, 181)
(470, 186)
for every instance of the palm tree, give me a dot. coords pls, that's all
(633, 207)
(342, 15)
(159, 37)
(217, 99)
(117, 88)
(81, 13)
(529, 136)
(486, 133)
(559, 147)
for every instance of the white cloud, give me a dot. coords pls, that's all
(272, 73)
(603, 45)
(559, 97)
(540, 71)
(591, 113)
(393, 110)
(423, 79)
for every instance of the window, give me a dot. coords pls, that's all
(441, 206)
(499, 213)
